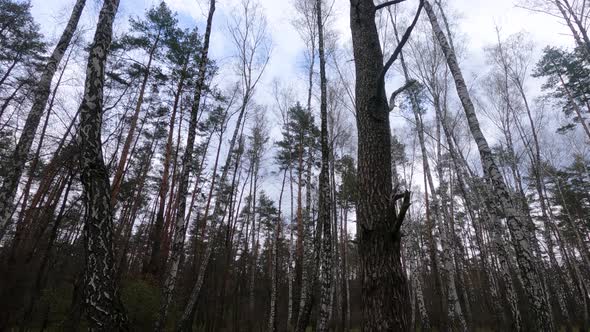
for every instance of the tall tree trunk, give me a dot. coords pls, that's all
(384, 292)
(254, 252)
(41, 277)
(290, 274)
(272, 322)
(186, 168)
(120, 171)
(221, 202)
(529, 271)
(579, 23)
(15, 163)
(325, 204)
(311, 259)
(463, 177)
(20, 225)
(103, 307)
(217, 217)
(155, 260)
(435, 261)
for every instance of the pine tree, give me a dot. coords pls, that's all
(14, 165)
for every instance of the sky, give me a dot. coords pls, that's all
(476, 20)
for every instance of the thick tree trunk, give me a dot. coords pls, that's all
(15, 164)
(529, 271)
(102, 305)
(384, 293)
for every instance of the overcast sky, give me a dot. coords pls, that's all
(477, 21)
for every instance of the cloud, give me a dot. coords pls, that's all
(477, 21)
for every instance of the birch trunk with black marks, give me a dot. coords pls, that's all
(186, 168)
(532, 281)
(462, 178)
(325, 204)
(424, 319)
(14, 165)
(311, 259)
(456, 319)
(559, 280)
(101, 299)
(453, 306)
(254, 252)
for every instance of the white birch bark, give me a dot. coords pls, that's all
(103, 308)
(325, 204)
(533, 286)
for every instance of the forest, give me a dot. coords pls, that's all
(165, 166)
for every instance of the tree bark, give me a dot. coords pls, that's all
(325, 204)
(384, 293)
(102, 305)
(272, 322)
(529, 271)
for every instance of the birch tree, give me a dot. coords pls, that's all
(325, 204)
(527, 265)
(15, 163)
(101, 299)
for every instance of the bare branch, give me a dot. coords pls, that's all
(395, 93)
(388, 3)
(402, 211)
(402, 43)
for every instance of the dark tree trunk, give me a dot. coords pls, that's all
(155, 259)
(385, 299)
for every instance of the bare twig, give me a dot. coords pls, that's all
(397, 92)
(388, 3)
(402, 43)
